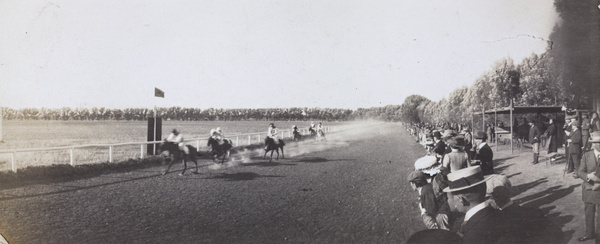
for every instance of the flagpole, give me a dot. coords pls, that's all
(154, 134)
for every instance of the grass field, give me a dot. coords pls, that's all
(43, 134)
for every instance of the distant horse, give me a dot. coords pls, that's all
(219, 149)
(297, 136)
(177, 154)
(321, 135)
(312, 133)
(272, 146)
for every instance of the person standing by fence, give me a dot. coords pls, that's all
(574, 149)
(534, 139)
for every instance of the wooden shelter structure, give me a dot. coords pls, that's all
(514, 110)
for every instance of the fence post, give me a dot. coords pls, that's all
(249, 140)
(110, 154)
(198, 144)
(258, 138)
(12, 159)
(71, 154)
(289, 134)
(237, 141)
(141, 150)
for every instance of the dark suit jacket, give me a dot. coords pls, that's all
(440, 148)
(575, 145)
(531, 226)
(486, 156)
(487, 226)
(534, 132)
(589, 163)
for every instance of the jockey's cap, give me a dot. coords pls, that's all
(175, 131)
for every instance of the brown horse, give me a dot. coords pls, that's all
(177, 154)
(273, 146)
(219, 149)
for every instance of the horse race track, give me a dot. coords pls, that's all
(349, 189)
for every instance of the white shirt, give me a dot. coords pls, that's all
(474, 210)
(481, 145)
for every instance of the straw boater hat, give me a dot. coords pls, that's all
(595, 137)
(465, 178)
(428, 165)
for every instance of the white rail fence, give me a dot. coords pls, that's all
(124, 151)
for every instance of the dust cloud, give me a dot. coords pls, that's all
(339, 138)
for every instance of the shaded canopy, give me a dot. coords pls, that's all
(523, 110)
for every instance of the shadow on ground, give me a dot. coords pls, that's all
(241, 176)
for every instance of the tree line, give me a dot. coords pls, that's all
(182, 114)
(566, 74)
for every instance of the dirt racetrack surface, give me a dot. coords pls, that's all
(350, 188)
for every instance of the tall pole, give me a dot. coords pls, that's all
(511, 127)
(483, 118)
(154, 134)
(495, 125)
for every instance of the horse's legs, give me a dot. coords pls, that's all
(282, 155)
(196, 163)
(265, 156)
(184, 167)
(272, 155)
(168, 167)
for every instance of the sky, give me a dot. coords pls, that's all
(257, 53)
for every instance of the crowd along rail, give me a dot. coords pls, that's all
(237, 140)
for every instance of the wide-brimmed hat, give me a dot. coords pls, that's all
(571, 117)
(417, 177)
(428, 164)
(481, 135)
(457, 141)
(465, 178)
(595, 137)
(175, 131)
(437, 134)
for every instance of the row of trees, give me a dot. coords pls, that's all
(567, 74)
(179, 113)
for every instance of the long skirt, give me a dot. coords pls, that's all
(552, 144)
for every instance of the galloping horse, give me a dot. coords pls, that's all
(297, 136)
(272, 146)
(219, 149)
(177, 154)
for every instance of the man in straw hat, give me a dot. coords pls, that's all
(482, 224)
(430, 207)
(589, 172)
(574, 149)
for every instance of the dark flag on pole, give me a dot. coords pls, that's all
(159, 93)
